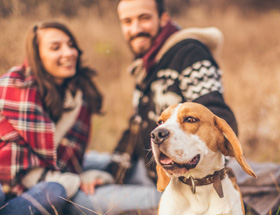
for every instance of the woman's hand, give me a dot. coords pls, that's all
(92, 178)
(89, 188)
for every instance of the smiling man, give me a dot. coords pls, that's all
(140, 23)
(171, 65)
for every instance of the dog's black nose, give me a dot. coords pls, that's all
(159, 135)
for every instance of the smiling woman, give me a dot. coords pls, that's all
(54, 59)
(45, 110)
(45, 119)
(58, 54)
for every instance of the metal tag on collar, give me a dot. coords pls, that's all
(193, 187)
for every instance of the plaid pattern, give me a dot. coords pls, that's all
(27, 132)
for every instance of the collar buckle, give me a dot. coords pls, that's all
(214, 179)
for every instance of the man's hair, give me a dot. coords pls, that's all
(160, 6)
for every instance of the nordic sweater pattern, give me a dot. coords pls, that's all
(186, 72)
(196, 80)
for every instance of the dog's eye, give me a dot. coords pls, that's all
(190, 119)
(160, 122)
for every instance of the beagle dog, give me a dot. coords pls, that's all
(189, 146)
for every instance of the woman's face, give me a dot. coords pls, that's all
(57, 53)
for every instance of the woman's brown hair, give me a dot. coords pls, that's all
(51, 93)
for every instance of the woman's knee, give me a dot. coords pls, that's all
(43, 198)
(55, 190)
(49, 195)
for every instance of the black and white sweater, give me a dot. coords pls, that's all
(185, 71)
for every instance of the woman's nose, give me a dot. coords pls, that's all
(69, 51)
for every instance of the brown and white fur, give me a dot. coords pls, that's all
(191, 141)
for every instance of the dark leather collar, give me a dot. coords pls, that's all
(214, 179)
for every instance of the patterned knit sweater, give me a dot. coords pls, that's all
(185, 71)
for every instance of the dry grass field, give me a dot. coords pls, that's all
(249, 60)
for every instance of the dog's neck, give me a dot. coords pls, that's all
(214, 179)
(215, 161)
(215, 176)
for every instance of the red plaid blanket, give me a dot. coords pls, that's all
(27, 132)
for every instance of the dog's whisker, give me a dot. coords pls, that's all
(151, 161)
(152, 158)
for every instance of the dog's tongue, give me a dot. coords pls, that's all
(165, 160)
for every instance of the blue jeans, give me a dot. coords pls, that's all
(97, 160)
(113, 199)
(139, 194)
(43, 198)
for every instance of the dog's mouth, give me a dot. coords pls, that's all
(170, 164)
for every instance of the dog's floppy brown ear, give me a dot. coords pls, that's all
(231, 145)
(163, 179)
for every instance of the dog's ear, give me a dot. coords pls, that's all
(231, 146)
(163, 179)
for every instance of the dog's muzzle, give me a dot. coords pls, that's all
(158, 135)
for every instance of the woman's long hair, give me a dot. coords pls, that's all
(51, 93)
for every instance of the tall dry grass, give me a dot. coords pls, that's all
(249, 60)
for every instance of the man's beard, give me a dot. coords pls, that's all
(142, 50)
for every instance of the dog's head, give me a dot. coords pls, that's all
(190, 141)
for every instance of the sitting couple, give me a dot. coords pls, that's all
(46, 106)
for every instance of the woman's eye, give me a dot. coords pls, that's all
(160, 122)
(190, 119)
(54, 47)
(71, 44)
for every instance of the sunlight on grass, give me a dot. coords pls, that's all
(249, 61)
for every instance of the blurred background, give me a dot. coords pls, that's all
(250, 59)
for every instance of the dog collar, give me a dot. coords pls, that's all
(214, 179)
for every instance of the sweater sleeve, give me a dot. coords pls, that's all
(215, 102)
(199, 78)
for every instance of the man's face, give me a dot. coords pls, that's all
(140, 24)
